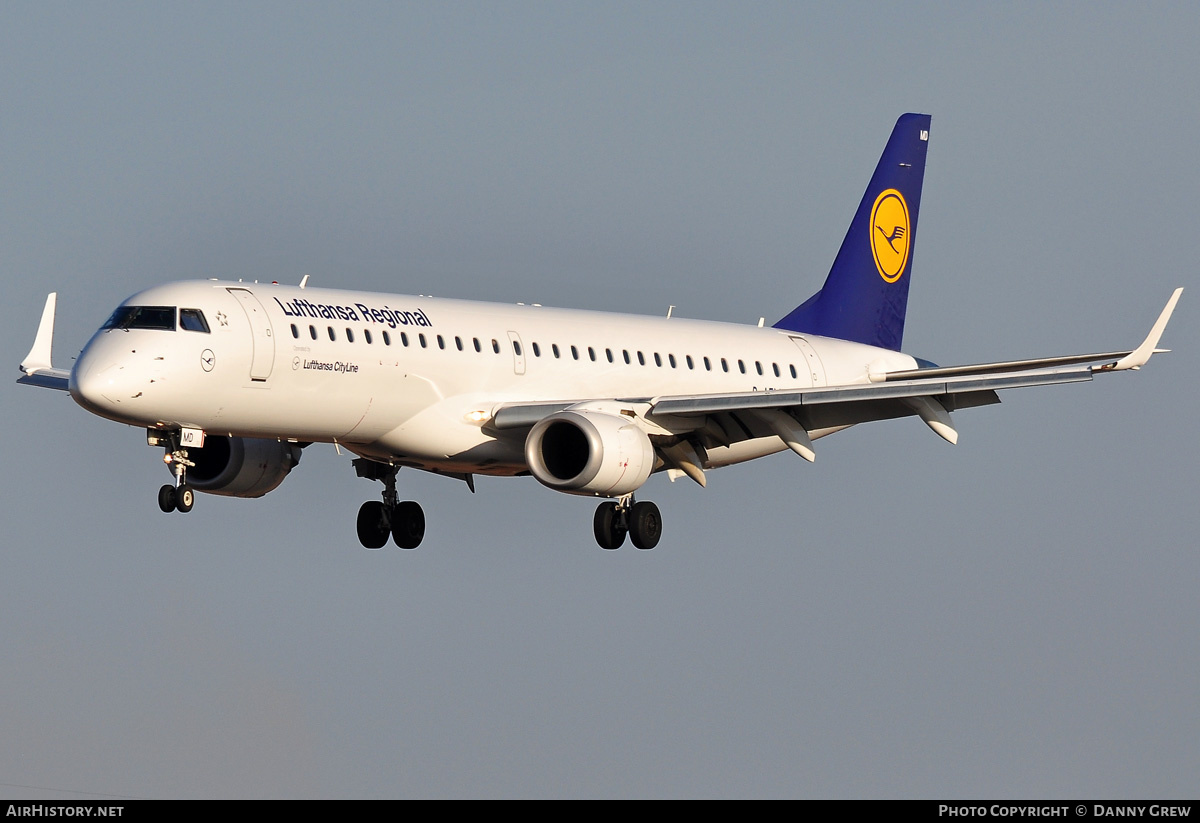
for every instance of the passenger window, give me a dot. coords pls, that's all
(421, 337)
(295, 332)
(724, 365)
(591, 354)
(758, 366)
(626, 353)
(691, 365)
(516, 348)
(387, 339)
(537, 350)
(657, 360)
(312, 331)
(608, 353)
(554, 348)
(775, 367)
(193, 320)
(477, 346)
(671, 360)
(367, 336)
(793, 368)
(458, 342)
(574, 353)
(441, 342)
(404, 339)
(349, 336)
(495, 345)
(707, 364)
(641, 359)
(332, 336)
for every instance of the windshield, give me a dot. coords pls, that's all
(142, 317)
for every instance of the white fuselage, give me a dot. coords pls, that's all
(414, 380)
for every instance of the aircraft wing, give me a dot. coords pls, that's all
(714, 420)
(931, 393)
(36, 368)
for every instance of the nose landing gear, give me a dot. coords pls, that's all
(404, 520)
(179, 497)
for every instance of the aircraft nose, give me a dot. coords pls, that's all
(87, 384)
(100, 383)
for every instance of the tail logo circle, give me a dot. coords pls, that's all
(890, 234)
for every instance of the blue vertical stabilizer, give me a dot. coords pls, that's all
(866, 292)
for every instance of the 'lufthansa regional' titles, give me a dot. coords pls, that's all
(357, 313)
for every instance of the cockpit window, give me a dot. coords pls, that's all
(142, 317)
(192, 320)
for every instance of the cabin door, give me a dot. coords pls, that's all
(260, 327)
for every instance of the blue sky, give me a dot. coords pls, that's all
(1013, 616)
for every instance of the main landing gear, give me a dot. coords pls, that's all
(179, 497)
(615, 519)
(402, 519)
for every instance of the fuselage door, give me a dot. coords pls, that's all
(514, 340)
(263, 339)
(815, 368)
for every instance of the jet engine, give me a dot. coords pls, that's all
(241, 466)
(592, 453)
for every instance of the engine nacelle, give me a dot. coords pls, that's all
(593, 453)
(240, 466)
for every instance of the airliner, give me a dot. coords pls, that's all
(232, 380)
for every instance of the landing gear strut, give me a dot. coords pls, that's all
(402, 519)
(614, 519)
(179, 497)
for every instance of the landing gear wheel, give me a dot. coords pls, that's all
(408, 524)
(610, 532)
(185, 498)
(166, 498)
(645, 525)
(372, 526)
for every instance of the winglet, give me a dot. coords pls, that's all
(1138, 357)
(39, 357)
